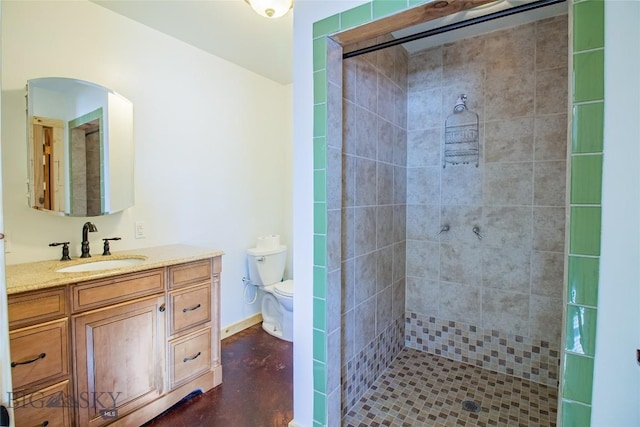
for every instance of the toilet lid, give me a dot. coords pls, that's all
(284, 288)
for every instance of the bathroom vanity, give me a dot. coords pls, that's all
(116, 346)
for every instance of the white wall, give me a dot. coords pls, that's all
(213, 140)
(616, 390)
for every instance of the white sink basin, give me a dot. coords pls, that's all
(100, 265)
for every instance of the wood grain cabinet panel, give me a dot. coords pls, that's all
(34, 307)
(189, 356)
(190, 307)
(119, 356)
(39, 353)
(189, 273)
(99, 293)
(49, 407)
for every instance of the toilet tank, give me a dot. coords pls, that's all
(266, 267)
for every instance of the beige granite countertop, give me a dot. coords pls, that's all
(42, 274)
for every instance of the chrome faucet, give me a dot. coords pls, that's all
(86, 228)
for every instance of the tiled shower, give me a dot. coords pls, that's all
(527, 347)
(491, 298)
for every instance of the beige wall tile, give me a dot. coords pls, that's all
(423, 259)
(366, 274)
(460, 302)
(551, 91)
(460, 263)
(505, 311)
(547, 273)
(423, 296)
(508, 184)
(506, 268)
(549, 183)
(548, 229)
(365, 236)
(552, 43)
(509, 140)
(551, 137)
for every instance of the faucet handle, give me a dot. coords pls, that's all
(106, 245)
(65, 250)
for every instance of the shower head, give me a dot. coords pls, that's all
(461, 104)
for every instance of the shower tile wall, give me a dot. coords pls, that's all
(373, 217)
(496, 301)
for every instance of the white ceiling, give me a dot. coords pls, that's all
(229, 29)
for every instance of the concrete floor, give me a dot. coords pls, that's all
(256, 389)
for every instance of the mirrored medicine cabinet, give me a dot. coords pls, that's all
(80, 148)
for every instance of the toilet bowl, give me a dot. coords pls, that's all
(266, 267)
(277, 310)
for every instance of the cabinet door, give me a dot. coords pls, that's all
(119, 359)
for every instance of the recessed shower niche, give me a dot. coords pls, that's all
(464, 261)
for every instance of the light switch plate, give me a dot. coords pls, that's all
(139, 231)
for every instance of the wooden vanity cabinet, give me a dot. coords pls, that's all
(119, 359)
(40, 362)
(117, 351)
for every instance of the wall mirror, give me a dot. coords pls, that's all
(80, 145)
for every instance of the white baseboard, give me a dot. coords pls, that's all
(240, 326)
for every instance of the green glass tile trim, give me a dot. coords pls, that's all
(577, 379)
(588, 25)
(319, 282)
(417, 2)
(320, 314)
(583, 280)
(320, 120)
(588, 128)
(585, 231)
(575, 414)
(387, 7)
(588, 72)
(320, 185)
(320, 218)
(326, 26)
(580, 337)
(320, 87)
(319, 53)
(320, 250)
(319, 376)
(586, 179)
(320, 153)
(319, 409)
(319, 346)
(356, 16)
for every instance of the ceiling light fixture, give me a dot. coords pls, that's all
(270, 8)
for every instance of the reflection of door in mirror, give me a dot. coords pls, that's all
(86, 154)
(48, 163)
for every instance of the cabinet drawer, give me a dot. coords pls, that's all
(103, 292)
(189, 273)
(190, 356)
(37, 409)
(36, 307)
(189, 307)
(39, 353)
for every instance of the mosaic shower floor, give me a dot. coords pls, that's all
(421, 389)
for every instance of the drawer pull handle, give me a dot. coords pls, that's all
(195, 307)
(189, 359)
(26, 362)
(162, 308)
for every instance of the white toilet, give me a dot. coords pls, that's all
(266, 269)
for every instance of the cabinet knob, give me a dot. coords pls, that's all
(162, 308)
